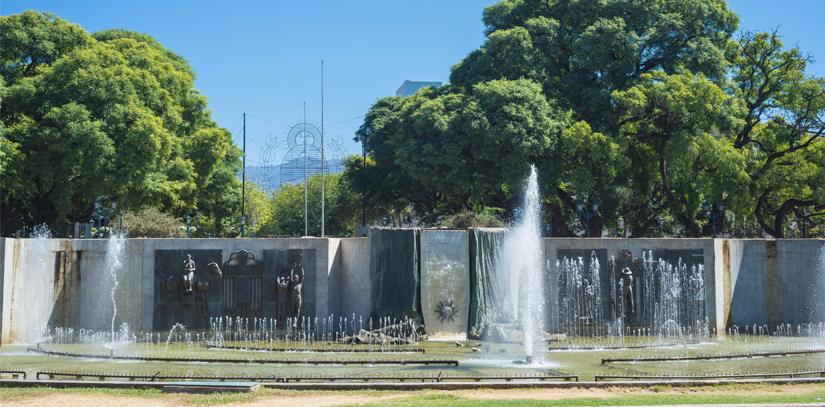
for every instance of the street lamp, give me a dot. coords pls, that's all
(713, 215)
(661, 227)
(91, 225)
(576, 225)
(103, 213)
(188, 224)
(587, 215)
(252, 231)
(384, 221)
(438, 222)
(243, 226)
(546, 230)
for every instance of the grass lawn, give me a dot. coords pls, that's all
(654, 395)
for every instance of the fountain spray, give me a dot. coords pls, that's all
(524, 256)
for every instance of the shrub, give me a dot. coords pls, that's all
(468, 219)
(150, 222)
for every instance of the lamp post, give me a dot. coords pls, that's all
(91, 225)
(805, 222)
(384, 221)
(252, 231)
(713, 214)
(243, 226)
(438, 222)
(24, 227)
(587, 215)
(576, 225)
(188, 225)
(102, 213)
(546, 230)
(661, 227)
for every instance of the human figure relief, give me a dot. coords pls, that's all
(627, 293)
(188, 273)
(296, 282)
(282, 301)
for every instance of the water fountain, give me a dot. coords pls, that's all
(595, 299)
(523, 257)
(34, 285)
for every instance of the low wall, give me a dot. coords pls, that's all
(65, 282)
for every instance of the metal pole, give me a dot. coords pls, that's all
(804, 227)
(364, 179)
(323, 159)
(306, 180)
(588, 224)
(243, 177)
(713, 219)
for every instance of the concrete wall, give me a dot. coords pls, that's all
(747, 281)
(354, 297)
(772, 282)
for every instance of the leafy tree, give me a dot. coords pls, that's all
(114, 115)
(654, 108)
(286, 209)
(784, 125)
(447, 150)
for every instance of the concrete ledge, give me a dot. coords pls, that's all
(63, 384)
(210, 387)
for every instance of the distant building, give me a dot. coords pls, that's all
(409, 87)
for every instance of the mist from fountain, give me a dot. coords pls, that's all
(524, 257)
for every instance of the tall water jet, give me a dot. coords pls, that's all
(524, 257)
(33, 300)
(114, 264)
(102, 293)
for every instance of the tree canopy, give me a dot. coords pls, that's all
(112, 115)
(649, 107)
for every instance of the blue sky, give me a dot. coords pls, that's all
(264, 57)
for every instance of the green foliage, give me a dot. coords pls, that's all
(151, 223)
(286, 209)
(447, 150)
(112, 114)
(471, 219)
(649, 107)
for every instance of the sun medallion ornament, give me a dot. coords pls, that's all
(447, 311)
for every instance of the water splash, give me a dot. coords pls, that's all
(34, 299)
(114, 264)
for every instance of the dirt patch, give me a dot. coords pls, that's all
(291, 400)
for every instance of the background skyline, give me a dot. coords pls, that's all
(264, 58)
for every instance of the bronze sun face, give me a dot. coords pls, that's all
(447, 312)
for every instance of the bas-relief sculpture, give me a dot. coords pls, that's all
(240, 293)
(190, 284)
(288, 301)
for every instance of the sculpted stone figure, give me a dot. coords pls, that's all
(282, 300)
(627, 293)
(297, 281)
(589, 300)
(188, 273)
